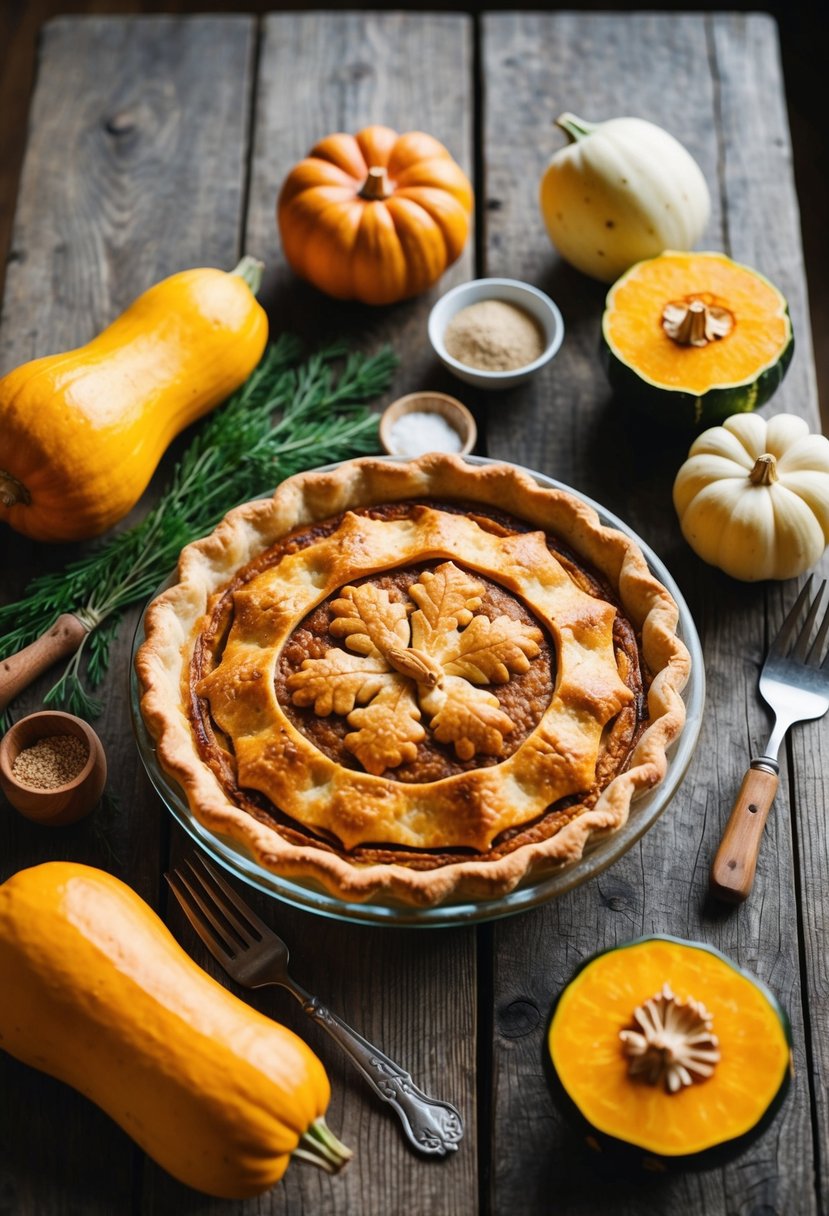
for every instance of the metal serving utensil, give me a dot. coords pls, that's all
(795, 683)
(254, 956)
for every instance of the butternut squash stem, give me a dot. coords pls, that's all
(320, 1146)
(250, 269)
(575, 128)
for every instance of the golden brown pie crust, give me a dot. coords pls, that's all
(464, 817)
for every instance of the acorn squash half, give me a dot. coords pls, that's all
(623, 1101)
(691, 338)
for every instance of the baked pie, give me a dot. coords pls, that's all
(413, 681)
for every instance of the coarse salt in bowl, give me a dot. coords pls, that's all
(539, 307)
(427, 422)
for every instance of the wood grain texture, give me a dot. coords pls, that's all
(137, 167)
(568, 425)
(134, 169)
(320, 73)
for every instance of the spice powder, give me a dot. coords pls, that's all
(494, 336)
(51, 762)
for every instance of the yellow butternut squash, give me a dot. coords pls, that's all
(98, 993)
(81, 433)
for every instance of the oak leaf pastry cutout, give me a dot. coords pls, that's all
(433, 662)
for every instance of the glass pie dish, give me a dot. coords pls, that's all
(381, 908)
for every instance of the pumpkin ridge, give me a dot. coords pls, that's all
(422, 241)
(342, 151)
(428, 166)
(454, 238)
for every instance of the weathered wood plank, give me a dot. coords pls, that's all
(134, 169)
(746, 58)
(322, 73)
(413, 994)
(568, 425)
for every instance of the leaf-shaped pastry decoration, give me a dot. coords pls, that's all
(488, 652)
(337, 682)
(468, 717)
(446, 598)
(388, 731)
(370, 622)
(435, 658)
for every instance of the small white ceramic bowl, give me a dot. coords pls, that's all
(540, 307)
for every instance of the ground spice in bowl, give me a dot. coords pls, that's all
(494, 336)
(51, 762)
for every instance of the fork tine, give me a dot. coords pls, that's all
(226, 898)
(780, 645)
(801, 648)
(214, 905)
(820, 642)
(213, 935)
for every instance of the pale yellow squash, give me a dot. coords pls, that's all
(621, 191)
(753, 496)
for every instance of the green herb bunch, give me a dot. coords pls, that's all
(288, 416)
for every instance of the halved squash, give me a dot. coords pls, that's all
(623, 1076)
(691, 338)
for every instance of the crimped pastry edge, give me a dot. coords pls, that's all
(208, 564)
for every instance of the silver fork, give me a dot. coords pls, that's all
(795, 683)
(254, 956)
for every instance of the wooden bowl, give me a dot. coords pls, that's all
(63, 803)
(455, 413)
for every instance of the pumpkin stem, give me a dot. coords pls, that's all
(13, 491)
(376, 186)
(692, 322)
(764, 472)
(575, 128)
(670, 1042)
(320, 1146)
(250, 269)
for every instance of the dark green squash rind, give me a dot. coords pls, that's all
(623, 1155)
(684, 411)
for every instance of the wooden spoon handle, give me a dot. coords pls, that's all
(732, 873)
(18, 670)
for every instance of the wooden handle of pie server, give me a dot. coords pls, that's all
(18, 670)
(732, 873)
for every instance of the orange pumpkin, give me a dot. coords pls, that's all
(376, 216)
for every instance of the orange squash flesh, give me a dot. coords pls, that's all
(587, 1053)
(633, 323)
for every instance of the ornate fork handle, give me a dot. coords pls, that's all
(432, 1126)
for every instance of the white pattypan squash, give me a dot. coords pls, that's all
(621, 191)
(753, 496)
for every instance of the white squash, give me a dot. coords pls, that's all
(753, 496)
(621, 191)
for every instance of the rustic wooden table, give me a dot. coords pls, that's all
(159, 143)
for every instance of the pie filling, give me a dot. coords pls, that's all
(413, 685)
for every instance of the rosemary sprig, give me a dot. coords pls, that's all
(287, 416)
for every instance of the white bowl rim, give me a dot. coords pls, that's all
(527, 368)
